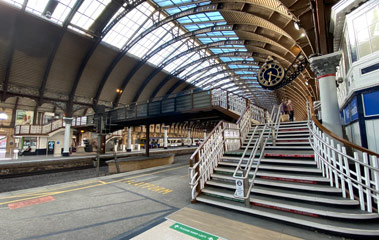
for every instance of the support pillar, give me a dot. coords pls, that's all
(325, 69)
(129, 149)
(189, 137)
(204, 135)
(165, 128)
(147, 144)
(67, 137)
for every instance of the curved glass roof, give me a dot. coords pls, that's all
(193, 38)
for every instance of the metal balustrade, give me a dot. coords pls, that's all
(356, 174)
(258, 143)
(50, 127)
(224, 137)
(181, 102)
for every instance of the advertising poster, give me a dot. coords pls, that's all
(24, 117)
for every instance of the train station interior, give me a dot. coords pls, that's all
(189, 119)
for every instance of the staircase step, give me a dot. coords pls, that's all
(274, 160)
(283, 147)
(342, 227)
(287, 177)
(294, 129)
(292, 140)
(298, 207)
(283, 184)
(281, 143)
(275, 168)
(291, 194)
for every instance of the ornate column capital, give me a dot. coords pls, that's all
(325, 64)
(68, 120)
(165, 127)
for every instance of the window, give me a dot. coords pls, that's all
(363, 33)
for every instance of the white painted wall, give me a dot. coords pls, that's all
(42, 143)
(353, 133)
(59, 137)
(372, 131)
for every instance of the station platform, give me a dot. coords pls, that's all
(145, 204)
(38, 163)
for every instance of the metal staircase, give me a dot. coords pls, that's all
(282, 181)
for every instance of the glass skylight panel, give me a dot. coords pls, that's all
(193, 27)
(247, 77)
(17, 3)
(245, 72)
(62, 10)
(88, 12)
(234, 66)
(165, 3)
(36, 6)
(151, 41)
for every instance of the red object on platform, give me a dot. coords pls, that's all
(30, 202)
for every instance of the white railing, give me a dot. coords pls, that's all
(356, 174)
(219, 98)
(236, 103)
(244, 169)
(273, 122)
(50, 127)
(258, 114)
(228, 101)
(224, 137)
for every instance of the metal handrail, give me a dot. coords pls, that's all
(358, 174)
(272, 124)
(244, 153)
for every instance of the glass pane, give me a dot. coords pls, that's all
(375, 44)
(364, 49)
(362, 36)
(373, 16)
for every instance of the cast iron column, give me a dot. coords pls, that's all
(67, 136)
(325, 69)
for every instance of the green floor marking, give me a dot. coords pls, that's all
(193, 232)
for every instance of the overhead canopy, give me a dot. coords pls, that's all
(118, 52)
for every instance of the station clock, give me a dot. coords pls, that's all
(271, 74)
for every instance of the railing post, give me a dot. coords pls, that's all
(374, 163)
(359, 179)
(329, 160)
(368, 183)
(246, 187)
(333, 159)
(227, 100)
(341, 174)
(347, 169)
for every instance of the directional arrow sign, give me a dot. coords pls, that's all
(193, 232)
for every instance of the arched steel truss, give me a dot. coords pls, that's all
(195, 10)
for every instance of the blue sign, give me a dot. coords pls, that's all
(371, 101)
(57, 142)
(353, 109)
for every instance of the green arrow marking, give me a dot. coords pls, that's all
(193, 232)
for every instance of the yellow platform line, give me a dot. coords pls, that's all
(102, 183)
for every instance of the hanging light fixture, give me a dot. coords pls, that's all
(296, 25)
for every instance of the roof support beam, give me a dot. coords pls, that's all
(130, 6)
(11, 50)
(54, 52)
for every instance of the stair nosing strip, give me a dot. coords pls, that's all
(294, 220)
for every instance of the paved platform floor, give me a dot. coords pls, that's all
(127, 206)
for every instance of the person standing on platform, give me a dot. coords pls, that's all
(290, 110)
(283, 107)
